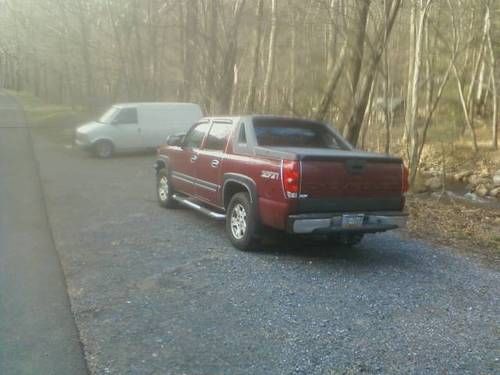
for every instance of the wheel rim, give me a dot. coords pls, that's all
(238, 221)
(163, 188)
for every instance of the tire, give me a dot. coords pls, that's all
(103, 149)
(164, 189)
(241, 222)
(348, 240)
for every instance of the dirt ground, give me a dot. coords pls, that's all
(472, 230)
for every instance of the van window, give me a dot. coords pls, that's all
(108, 116)
(196, 135)
(126, 116)
(218, 136)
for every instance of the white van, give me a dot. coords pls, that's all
(135, 126)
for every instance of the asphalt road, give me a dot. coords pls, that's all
(163, 292)
(38, 334)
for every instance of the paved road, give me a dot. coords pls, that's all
(163, 292)
(37, 330)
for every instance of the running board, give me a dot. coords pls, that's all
(186, 202)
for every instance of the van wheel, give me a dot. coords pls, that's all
(164, 189)
(241, 222)
(348, 240)
(103, 149)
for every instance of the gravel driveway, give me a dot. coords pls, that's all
(163, 292)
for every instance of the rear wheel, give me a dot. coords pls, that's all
(241, 222)
(348, 240)
(164, 189)
(103, 149)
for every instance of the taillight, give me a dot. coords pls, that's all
(290, 174)
(405, 185)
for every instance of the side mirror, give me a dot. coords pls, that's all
(175, 140)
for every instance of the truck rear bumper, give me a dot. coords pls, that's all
(373, 222)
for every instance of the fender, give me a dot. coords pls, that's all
(161, 162)
(96, 141)
(243, 180)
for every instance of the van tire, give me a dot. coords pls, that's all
(241, 222)
(164, 190)
(103, 149)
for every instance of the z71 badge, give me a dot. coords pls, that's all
(270, 175)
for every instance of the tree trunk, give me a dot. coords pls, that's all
(252, 86)
(494, 98)
(353, 126)
(356, 41)
(85, 48)
(266, 101)
(333, 80)
(413, 100)
(465, 110)
(229, 68)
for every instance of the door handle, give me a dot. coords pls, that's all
(215, 163)
(194, 158)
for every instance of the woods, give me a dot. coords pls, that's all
(384, 72)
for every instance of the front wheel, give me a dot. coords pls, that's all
(164, 189)
(103, 149)
(241, 222)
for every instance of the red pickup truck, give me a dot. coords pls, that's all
(290, 174)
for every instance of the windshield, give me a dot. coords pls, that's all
(294, 133)
(108, 116)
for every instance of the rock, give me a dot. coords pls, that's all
(471, 196)
(484, 173)
(419, 189)
(482, 190)
(476, 180)
(461, 176)
(473, 179)
(495, 192)
(496, 178)
(434, 183)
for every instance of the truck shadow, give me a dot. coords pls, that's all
(374, 251)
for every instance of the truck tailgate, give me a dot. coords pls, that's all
(350, 184)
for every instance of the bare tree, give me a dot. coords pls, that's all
(266, 94)
(252, 84)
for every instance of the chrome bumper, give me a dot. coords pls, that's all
(332, 223)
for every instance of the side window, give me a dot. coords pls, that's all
(196, 135)
(218, 136)
(126, 116)
(242, 137)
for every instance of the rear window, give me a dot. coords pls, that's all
(294, 133)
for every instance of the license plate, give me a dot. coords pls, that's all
(352, 221)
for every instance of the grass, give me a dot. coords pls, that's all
(55, 121)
